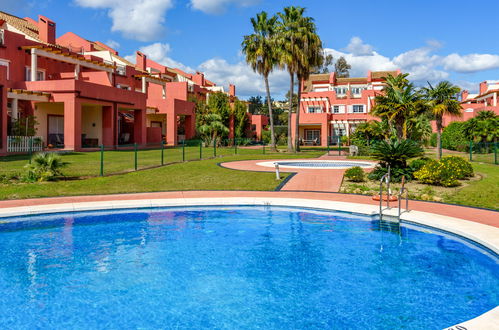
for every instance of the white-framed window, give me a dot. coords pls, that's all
(314, 109)
(2, 37)
(358, 108)
(40, 74)
(321, 89)
(5, 63)
(357, 90)
(340, 90)
(338, 109)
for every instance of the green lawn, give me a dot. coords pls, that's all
(196, 175)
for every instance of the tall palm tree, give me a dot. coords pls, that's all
(290, 32)
(260, 51)
(310, 58)
(442, 100)
(399, 102)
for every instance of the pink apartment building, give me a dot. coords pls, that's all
(83, 94)
(331, 107)
(485, 100)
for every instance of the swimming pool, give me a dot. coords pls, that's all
(317, 164)
(237, 267)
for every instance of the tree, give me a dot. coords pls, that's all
(442, 100)
(255, 105)
(341, 67)
(326, 64)
(483, 127)
(399, 102)
(260, 51)
(240, 118)
(311, 56)
(218, 103)
(290, 32)
(211, 128)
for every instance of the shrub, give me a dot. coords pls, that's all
(417, 164)
(44, 167)
(396, 174)
(355, 174)
(396, 153)
(445, 172)
(433, 139)
(454, 137)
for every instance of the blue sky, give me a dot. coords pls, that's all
(433, 40)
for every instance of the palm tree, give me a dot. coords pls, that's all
(398, 103)
(310, 57)
(290, 32)
(442, 100)
(259, 49)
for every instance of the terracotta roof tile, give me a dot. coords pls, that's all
(382, 74)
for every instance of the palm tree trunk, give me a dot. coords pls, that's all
(297, 119)
(290, 141)
(439, 138)
(271, 115)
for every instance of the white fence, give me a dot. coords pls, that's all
(24, 143)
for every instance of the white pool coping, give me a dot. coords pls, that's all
(485, 235)
(365, 164)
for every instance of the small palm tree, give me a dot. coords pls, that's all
(395, 153)
(398, 103)
(259, 49)
(212, 128)
(442, 100)
(45, 167)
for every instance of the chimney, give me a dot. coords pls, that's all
(232, 90)
(199, 78)
(46, 29)
(464, 95)
(141, 61)
(483, 87)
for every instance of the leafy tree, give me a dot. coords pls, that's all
(454, 136)
(255, 105)
(341, 67)
(482, 128)
(218, 103)
(442, 100)
(399, 102)
(260, 51)
(240, 118)
(326, 64)
(24, 126)
(419, 128)
(368, 132)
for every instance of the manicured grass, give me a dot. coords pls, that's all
(481, 193)
(195, 175)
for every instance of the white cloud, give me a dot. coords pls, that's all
(247, 82)
(219, 6)
(137, 19)
(470, 63)
(113, 44)
(159, 52)
(358, 48)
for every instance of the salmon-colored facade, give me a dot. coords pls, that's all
(487, 99)
(332, 107)
(81, 94)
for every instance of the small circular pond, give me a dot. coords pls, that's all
(317, 164)
(237, 267)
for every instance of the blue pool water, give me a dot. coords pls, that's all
(237, 268)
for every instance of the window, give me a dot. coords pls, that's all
(314, 109)
(321, 89)
(312, 134)
(40, 75)
(358, 108)
(338, 109)
(2, 37)
(6, 64)
(357, 90)
(340, 90)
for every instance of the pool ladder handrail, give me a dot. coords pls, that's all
(401, 192)
(384, 179)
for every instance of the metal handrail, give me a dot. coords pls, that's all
(401, 191)
(385, 178)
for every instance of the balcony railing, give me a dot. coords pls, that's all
(24, 143)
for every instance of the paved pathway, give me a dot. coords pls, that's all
(323, 180)
(483, 216)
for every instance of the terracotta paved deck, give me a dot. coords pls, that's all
(483, 216)
(323, 180)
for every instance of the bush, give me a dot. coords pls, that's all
(433, 139)
(396, 153)
(44, 167)
(355, 174)
(454, 138)
(417, 164)
(445, 172)
(396, 174)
